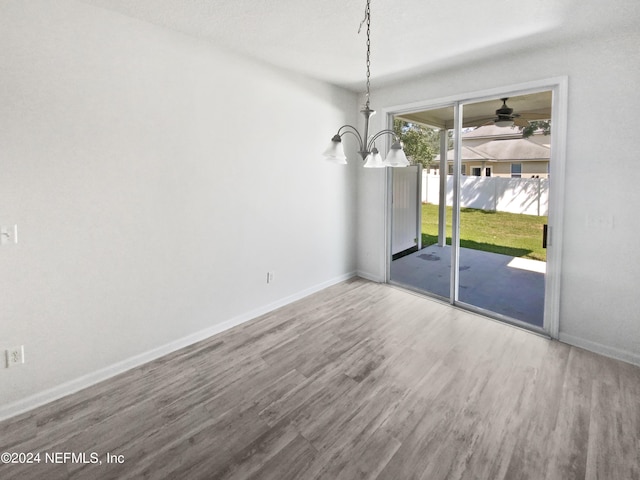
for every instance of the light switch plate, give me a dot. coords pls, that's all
(600, 221)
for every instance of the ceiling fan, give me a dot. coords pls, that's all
(505, 116)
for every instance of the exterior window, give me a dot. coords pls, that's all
(516, 170)
(487, 172)
(476, 171)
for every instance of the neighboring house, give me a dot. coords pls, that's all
(491, 151)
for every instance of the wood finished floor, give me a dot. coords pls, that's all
(359, 381)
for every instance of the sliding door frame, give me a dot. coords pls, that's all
(559, 88)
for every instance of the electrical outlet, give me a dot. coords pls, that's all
(15, 356)
(8, 234)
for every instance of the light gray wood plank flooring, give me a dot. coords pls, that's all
(359, 381)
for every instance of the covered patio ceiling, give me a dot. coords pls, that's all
(535, 106)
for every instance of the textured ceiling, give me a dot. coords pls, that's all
(320, 38)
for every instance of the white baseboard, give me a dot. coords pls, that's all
(370, 276)
(601, 349)
(77, 384)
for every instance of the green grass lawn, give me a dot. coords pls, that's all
(497, 232)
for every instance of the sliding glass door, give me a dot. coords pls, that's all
(485, 207)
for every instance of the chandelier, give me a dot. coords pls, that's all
(367, 145)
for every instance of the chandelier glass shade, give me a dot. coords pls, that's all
(335, 151)
(367, 149)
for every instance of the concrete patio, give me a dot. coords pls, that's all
(510, 286)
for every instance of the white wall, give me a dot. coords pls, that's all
(600, 269)
(154, 179)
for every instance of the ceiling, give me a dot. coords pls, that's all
(320, 38)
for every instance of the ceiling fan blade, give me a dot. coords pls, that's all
(520, 122)
(477, 121)
(535, 116)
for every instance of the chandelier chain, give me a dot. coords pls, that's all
(367, 18)
(368, 51)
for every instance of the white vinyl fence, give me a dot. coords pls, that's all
(515, 195)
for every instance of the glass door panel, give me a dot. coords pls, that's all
(427, 269)
(503, 209)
